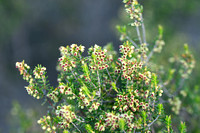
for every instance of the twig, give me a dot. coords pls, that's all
(117, 79)
(162, 101)
(127, 84)
(112, 101)
(109, 75)
(167, 92)
(143, 30)
(180, 86)
(50, 103)
(153, 121)
(74, 75)
(150, 55)
(93, 84)
(80, 120)
(138, 33)
(127, 37)
(111, 86)
(79, 82)
(76, 127)
(165, 89)
(153, 104)
(109, 95)
(181, 83)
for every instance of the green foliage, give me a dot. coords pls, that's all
(121, 29)
(89, 128)
(160, 31)
(122, 124)
(114, 87)
(65, 131)
(160, 109)
(168, 123)
(85, 69)
(144, 116)
(182, 127)
(22, 120)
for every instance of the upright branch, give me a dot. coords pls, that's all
(138, 33)
(143, 30)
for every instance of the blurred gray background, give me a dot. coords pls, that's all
(34, 30)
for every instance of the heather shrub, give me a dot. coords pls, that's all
(110, 92)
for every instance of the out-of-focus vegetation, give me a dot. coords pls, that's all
(23, 120)
(176, 16)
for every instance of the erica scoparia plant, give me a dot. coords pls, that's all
(102, 92)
